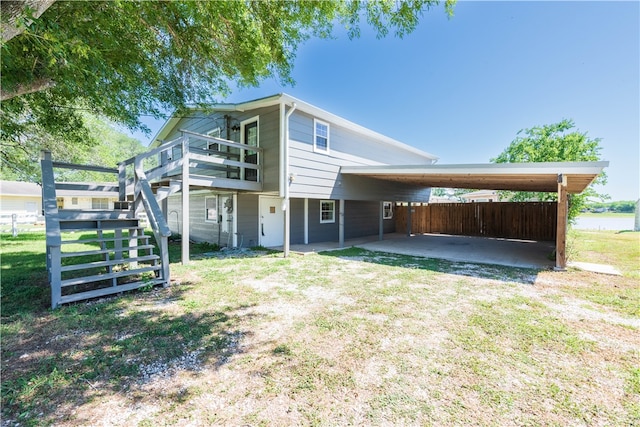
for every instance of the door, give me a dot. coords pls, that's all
(250, 138)
(271, 224)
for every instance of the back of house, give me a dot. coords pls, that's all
(276, 150)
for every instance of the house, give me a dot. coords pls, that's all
(298, 150)
(272, 172)
(480, 196)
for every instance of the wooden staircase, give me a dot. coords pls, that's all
(95, 253)
(122, 260)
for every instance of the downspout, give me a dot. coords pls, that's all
(286, 181)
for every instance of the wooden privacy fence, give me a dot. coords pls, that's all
(511, 220)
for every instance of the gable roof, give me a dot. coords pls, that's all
(283, 98)
(20, 188)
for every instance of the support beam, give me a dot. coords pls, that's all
(561, 230)
(185, 201)
(409, 219)
(381, 222)
(306, 221)
(341, 224)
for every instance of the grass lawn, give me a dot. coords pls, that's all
(339, 338)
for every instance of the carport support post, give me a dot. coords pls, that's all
(561, 231)
(409, 219)
(185, 200)
(341, 224)
(381, 222)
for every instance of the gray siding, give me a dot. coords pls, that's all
(321, 232)
(317, 175)
(247, 219)
(363, 219)
(296, 228)
(268, 135)
(199, 229)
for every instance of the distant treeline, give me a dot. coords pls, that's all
(625, 206)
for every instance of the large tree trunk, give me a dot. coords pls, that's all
(12, 10)
(35, 86)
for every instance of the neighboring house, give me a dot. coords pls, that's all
(25, 200)
(298, 150)
(480, 196)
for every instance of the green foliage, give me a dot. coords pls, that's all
(124, 59)
(625, 206)
(101, 145)
(557, 142)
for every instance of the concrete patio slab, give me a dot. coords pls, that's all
(513, 253)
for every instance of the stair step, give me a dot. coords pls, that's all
(111, 262)
(109, 290)
(79, 214)
(107, 239)
(107, 276)
(116, 224)
(106, 251)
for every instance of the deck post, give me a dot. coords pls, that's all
(381, 222)
(306, 221)
(341, 224)
(561, 229)
(185, 200)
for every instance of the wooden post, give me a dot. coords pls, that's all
(381, 222)
(409, 219)
(341, 224)
(185, 200)
(561, 230)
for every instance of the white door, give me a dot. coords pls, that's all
(271, 223)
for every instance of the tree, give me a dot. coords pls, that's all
(124, 59)
(104, 145)
(557, 142)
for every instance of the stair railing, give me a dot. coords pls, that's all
(52, 221)
(143, 194)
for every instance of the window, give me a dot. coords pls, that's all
(211, 209)
(74, 200)
(387, 210)
(60, 202)
(327, 211)
(100, 203)
(320, 136)
(213, 146)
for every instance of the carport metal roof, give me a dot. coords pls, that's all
(493, 176)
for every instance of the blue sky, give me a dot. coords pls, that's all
(462, 88)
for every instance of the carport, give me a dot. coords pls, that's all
(561, 177)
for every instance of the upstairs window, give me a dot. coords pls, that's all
(320, 136)
(327, 211)
(213, 146)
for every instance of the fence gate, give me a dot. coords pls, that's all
(510, 220)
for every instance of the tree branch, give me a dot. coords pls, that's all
(14, 11)
(35, 86)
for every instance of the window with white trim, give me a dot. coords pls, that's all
(320, 136)
(211, 209)
(74, 200)
(387, 210)
(213, 146)
(327, 211)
